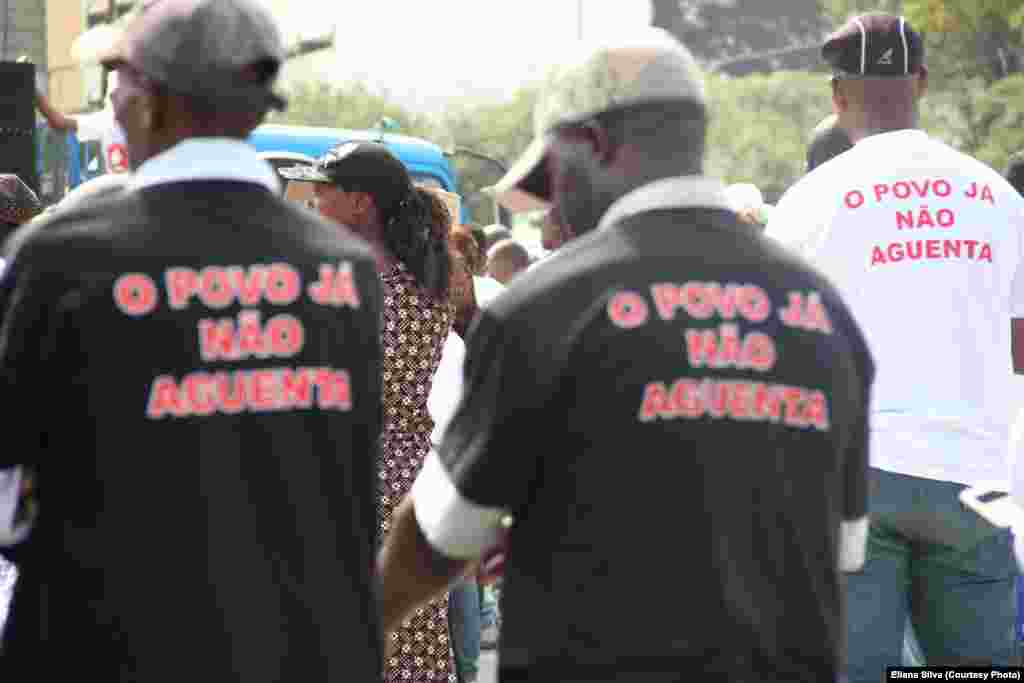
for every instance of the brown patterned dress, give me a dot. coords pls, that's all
(415, 327)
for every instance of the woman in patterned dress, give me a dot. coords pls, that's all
(370, 191)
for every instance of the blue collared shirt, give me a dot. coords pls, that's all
(207, 159)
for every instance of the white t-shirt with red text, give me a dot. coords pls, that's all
(102, 126)
(925, 245)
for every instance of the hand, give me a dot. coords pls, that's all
(389, 649)
(492, 566)
(749, 216)
(28, 505)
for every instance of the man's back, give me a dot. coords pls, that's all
(209, 416)
(684, 405)
(924, 244)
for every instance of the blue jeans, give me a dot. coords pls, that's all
(488, 607)
(948, 569)
(911, 648)
(464, 624)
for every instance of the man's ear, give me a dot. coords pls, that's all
(155, 111)
(839, 100)
(921, 87)
(594, 136)
(600, 142)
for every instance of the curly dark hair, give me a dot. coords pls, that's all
(416, 232)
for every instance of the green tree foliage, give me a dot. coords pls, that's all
(962, 16)
(481, 132)
(1000, 111)
(965, 15)
(718, 30)
(841, 10)
(761, 126)
(985, 121)
(353, 106)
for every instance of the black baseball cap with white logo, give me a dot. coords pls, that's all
(875, 45)
(359, 167)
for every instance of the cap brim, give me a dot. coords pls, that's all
(526, 186)
(112, 57)
(305, 174)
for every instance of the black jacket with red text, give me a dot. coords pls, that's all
(193, 372)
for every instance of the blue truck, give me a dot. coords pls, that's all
(62, 156)
(426, 161)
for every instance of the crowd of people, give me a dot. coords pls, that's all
(704, 437)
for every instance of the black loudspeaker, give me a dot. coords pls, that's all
(18, 122)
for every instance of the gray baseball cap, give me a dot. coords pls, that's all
(225, 51)
(632, 68)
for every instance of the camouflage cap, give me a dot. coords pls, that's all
(649, 66)
(18, 203)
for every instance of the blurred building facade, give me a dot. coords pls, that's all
(23, 33)
(72, 87)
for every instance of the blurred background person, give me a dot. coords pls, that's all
(506, 260)
(463, 258)
(493, 234)
(468, 613)
(1015, 173)
(937, 428)
(18, 204)
(828, 140)
(100, 126)
(364, 187)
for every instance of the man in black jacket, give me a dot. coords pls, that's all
(702, 396)
(190, 372)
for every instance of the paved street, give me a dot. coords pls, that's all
(488, 667)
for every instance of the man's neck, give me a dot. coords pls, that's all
(862, 133)
(656, 173)
(879, 123)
